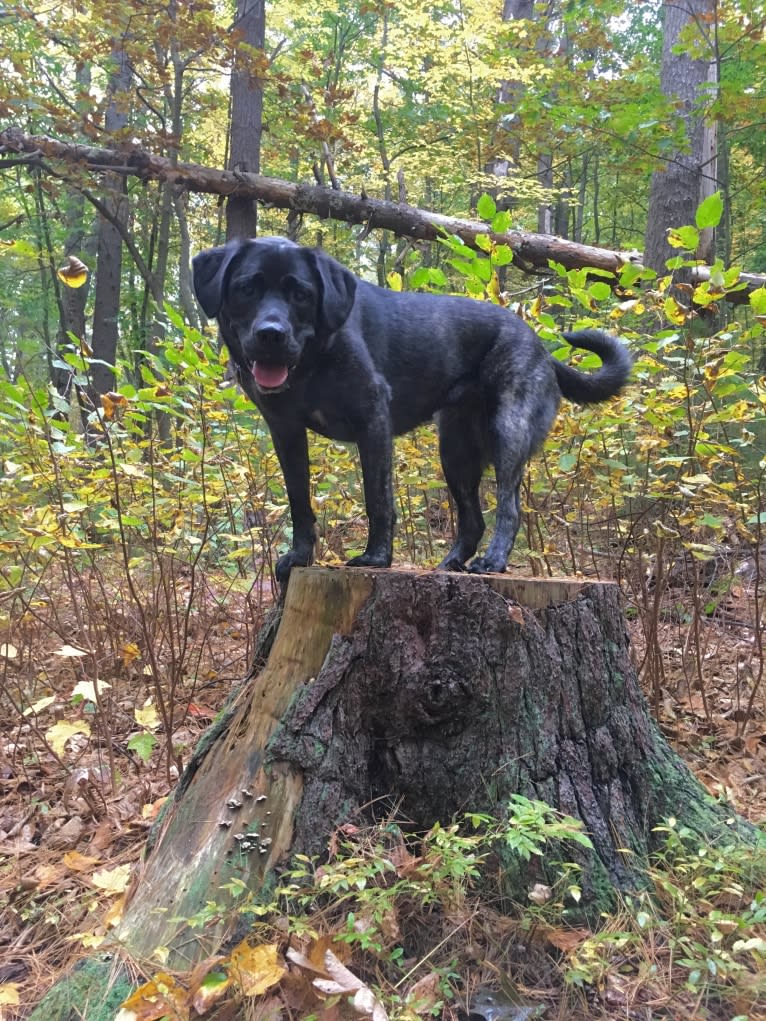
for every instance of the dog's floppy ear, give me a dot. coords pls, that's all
(209, 270)
(338, 290)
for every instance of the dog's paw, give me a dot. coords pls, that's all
(285, 564)
(370, 560)
(451, 564)
(485, 565)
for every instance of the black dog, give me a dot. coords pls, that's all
(317, 348)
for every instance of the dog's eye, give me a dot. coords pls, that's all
(299, 293)
(251, 287)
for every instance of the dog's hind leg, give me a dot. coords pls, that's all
(463, 460)
(519, 426)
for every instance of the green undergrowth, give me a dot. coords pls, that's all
(423, 923)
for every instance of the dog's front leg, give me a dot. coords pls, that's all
(375, 453)
(292, 450)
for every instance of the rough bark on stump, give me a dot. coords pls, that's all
(442, 693)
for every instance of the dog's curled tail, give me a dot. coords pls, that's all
(588, 388)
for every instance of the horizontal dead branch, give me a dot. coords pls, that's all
(530, 251)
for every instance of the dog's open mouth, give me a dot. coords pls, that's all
(269, 377)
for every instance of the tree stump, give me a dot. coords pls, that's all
(437, 693)
(440, 693)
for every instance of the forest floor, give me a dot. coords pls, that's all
(77, 802)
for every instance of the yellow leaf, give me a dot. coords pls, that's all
(110, 402)
(114, 914)
(58, 735)
(674, 312)
(112, 881)
(148, 717)
(79, 862)
(73, 273)
(394, 281)
(256, 969)
(9, 994)
(162, 997)
(128, 652)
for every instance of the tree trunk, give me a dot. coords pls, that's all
(106, 299)
(688, 176)
(246, 113)
(436, 693)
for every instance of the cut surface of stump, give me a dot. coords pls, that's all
(437, 693)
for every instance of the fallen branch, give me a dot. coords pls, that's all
(530, 251)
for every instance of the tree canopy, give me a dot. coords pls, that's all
(520, 152)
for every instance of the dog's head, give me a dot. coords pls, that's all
(273, 301)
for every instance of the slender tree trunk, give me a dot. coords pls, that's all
(246, 113)
(106, 301)
(678, 186)
(81, 243)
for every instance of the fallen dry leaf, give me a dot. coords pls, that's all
(61, 732)
(9, 994)
(424, 994)
(256, 969)
(210, 990)
(70, 652)
(540, 893)
(162, 997)
(344, 982)
(567, 940)
(112, 881)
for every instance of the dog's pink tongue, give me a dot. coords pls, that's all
(269, 376)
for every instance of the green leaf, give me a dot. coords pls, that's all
(486, 207)
(501, 222)
(684, 237)
(599, 291)
(502, 255)
(143, 745)
(420, 277)
(629, 274)
(709, 211)
(758, 301)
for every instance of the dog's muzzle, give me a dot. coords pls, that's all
(272, 362)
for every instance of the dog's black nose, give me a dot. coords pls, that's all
(271, 333)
